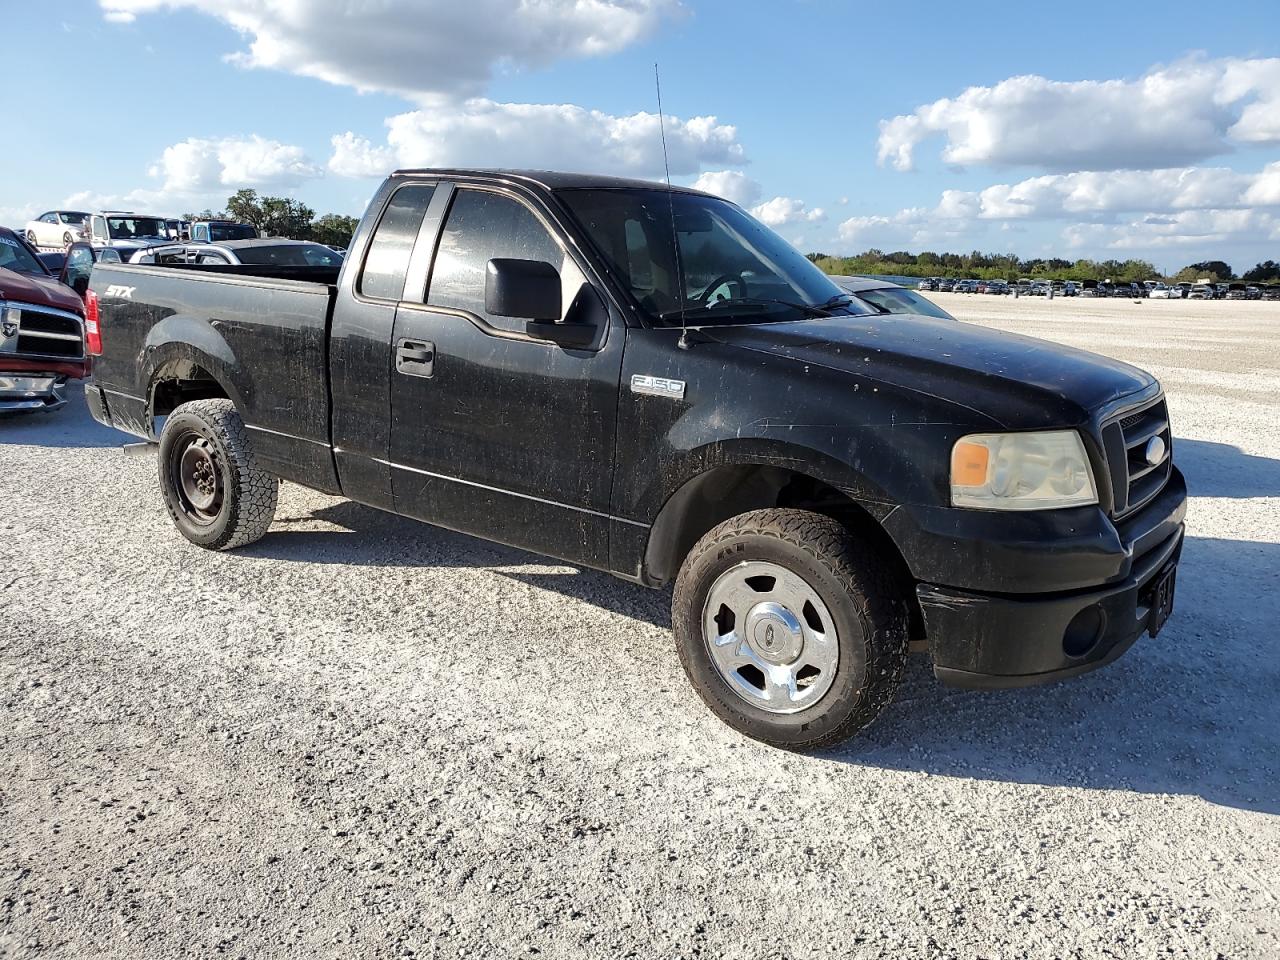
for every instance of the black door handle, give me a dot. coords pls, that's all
(415, 358)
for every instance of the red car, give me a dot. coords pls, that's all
(42, 331)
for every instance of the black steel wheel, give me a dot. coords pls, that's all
(217, 495)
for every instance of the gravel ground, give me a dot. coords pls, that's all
(364, 737)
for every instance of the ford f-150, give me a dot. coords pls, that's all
(648, 381)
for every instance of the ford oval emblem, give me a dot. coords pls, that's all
(1155, 451)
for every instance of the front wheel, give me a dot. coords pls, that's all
(218, 497)
(789, 629)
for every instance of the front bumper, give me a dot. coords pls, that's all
(1010, 638)
(31, 391)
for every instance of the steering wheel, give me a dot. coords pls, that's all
(721, 289)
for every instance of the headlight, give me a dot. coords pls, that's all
(1021, 471)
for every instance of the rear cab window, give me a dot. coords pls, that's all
(382, 276)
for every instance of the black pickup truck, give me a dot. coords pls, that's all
(647, 381)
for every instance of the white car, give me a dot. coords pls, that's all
(1161, 291)
(57, 228)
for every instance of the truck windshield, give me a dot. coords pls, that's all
(127, 228)
(14, 256)
(219, 232)
(718, 265)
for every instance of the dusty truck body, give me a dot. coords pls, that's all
(649, 382)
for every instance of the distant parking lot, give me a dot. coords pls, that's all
(366, 737)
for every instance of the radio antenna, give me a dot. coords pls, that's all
(683, 343)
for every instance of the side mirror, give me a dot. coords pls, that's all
(525, 289)
(77, 267)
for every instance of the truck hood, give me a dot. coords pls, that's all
(1017, 381)
(44, 291)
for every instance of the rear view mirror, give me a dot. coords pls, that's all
(524, 289)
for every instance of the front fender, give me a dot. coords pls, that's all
(723, 479)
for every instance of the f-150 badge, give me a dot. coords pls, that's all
(657, 386)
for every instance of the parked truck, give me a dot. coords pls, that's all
(648, 381)
(42, 343)
(218, 231)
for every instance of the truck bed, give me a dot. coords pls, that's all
(258, 332)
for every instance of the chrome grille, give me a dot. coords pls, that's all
(1135, 480)
(44, 333)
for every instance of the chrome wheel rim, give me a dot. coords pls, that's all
(770, 637)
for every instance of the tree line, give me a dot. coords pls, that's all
(283, 217)
(999, 266)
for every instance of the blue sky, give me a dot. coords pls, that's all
(1119, 130)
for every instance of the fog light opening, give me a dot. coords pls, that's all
(1084, 631)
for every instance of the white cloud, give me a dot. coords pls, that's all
(1265, 187)
(422, 49)
(198, 166)
(1205, 230)
(197, 173)
(1169, 116)
(1196, 211)
(1096, 193)
(357, 157)
(915, 226)
(485, 133)
(733, 185)
(781, 211)
(16, 216)
(1137, 198)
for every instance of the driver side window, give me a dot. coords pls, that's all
(482, 226)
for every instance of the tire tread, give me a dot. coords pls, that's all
(873, 590)
(253, 492)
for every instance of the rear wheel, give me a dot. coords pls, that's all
(789, 629)
(31, 238)
(218, 497)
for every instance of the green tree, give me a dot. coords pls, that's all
(1263, 272)
(1213, 269)
(273, 216)
(244, 206)
(334, 229)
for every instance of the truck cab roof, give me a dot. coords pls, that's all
(547, 179)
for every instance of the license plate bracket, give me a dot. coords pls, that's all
(1162, 600)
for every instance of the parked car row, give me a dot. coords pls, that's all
(126, 230)
(1155, 289)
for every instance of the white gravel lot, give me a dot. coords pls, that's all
(363, 737)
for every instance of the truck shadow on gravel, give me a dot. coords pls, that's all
(1222, 470)
(1191, 712)
(372, 537)
(68, 427)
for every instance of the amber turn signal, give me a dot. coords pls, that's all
(969, 462)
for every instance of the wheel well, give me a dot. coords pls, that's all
(180, 385)
(727, 491)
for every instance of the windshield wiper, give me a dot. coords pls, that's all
(809, 309)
